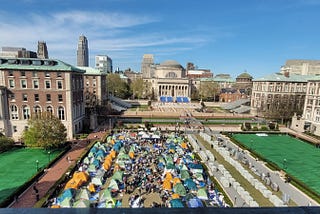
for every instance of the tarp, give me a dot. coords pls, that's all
(97, 180)
(176, 180)
(179, 189)
(176, 203)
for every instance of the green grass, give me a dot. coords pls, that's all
(297, 158)
(18, 166)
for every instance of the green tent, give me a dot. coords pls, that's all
(202, 194)
(105, 195)
(83, 194)
(66, 203)
(82, 203)
(199, 176)
(113, 185)
(184, 174)
(179, 189)
(118, 176)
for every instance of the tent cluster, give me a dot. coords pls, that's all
(133, 162)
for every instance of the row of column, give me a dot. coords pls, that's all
(173, 90)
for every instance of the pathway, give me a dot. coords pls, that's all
(29, 198)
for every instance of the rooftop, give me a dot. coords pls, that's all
(279, 77)
(36, 64)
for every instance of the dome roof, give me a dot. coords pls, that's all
(245, 75)
(170, 63)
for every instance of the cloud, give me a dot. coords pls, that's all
(110, 33)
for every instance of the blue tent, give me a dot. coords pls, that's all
(194, 203)
(190, 184)
(68, 193)
(176, 203)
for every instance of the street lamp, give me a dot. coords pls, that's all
(284, 163)
(49, 153)
(37, 165)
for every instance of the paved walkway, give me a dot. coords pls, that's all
(29, 198)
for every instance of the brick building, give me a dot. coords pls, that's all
(32, 86)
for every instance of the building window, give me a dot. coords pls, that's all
(36, 97)
(49, 110)
(14, 112)
(59, 83)
(22, 73)
(48, 84)
(61, 113)
(35, 84)
(12, 97)
(11, 73)
(26, 112)
(11, 83)
(37, 111)
(34, 74)
(48, 97)
(94, 83)
(24, 97)
(23, 83)
(47, 74)
(60, 98)
(14, 128)
(59, 74)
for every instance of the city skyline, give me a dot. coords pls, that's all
(223, 36)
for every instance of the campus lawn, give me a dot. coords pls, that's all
(17, 166)
(296, 157)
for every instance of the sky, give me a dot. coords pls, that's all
(225, 36)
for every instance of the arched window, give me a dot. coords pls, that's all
(50, 110)
(14, 112)
(37, 111)
(61, 115)
(26, 112)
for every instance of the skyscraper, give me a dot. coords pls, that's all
(82, 52)
(42, 50)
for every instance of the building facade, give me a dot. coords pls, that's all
(168, 81)
(42, 50)
(83, 52)
(31, 87)
(279, 95)
(309, 120)
(17, 52)
(147, 66)
(302, 67)
(104, 63)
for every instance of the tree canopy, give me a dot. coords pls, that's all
(141, 89)
(46, 131)
(116, 86)
(208, 90)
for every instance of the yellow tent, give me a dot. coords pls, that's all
(72, 183)
(176, 180)
(184, 145)
(113, 154)
(167, 185)
(108, 158)
(175, 196)
(82, 176)
(131, 155)
(168, 176)
(55, 206)
(112, 141)
(91, 187)
(121, 137)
